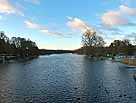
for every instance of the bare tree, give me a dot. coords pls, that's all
(90, 39)
(92, 43)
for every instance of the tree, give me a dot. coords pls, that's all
(17, 46)
(122, 47)
(24, 47)
(92, 43)
(90, 39)
(4, 43)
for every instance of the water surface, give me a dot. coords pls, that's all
(66, 78)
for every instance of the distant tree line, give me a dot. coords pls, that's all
(17, 46)
(49, 52)
(93, 45)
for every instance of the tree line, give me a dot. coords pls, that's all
(93, 45)
(17, 46)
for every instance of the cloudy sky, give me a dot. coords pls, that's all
(59, 24)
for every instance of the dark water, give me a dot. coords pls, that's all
(66, 78)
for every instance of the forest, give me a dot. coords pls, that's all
(94, 45)
(17, 46)
(22, 47)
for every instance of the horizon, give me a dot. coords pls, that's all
(60, 25)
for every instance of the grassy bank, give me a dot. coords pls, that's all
(129, 62)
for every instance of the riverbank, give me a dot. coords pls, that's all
(124, 60)
(9, 58)
(131, 62)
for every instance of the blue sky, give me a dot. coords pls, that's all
(59, 24)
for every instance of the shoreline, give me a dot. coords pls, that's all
(130, 62)
(6, 59)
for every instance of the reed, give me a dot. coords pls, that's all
(129, 61)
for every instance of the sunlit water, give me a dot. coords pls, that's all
(66, 78)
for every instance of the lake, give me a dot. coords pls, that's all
(66, 78)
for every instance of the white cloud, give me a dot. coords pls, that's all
(126, 2)
(20, 6)
(31, 25)
(69, 17)
(119, 17)
(114, 18)
(8, 8)
(38, 27)
(126, 10)
(77, 24)
(33, 1)
(52, 32)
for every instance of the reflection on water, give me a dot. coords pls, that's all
(66, 78)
